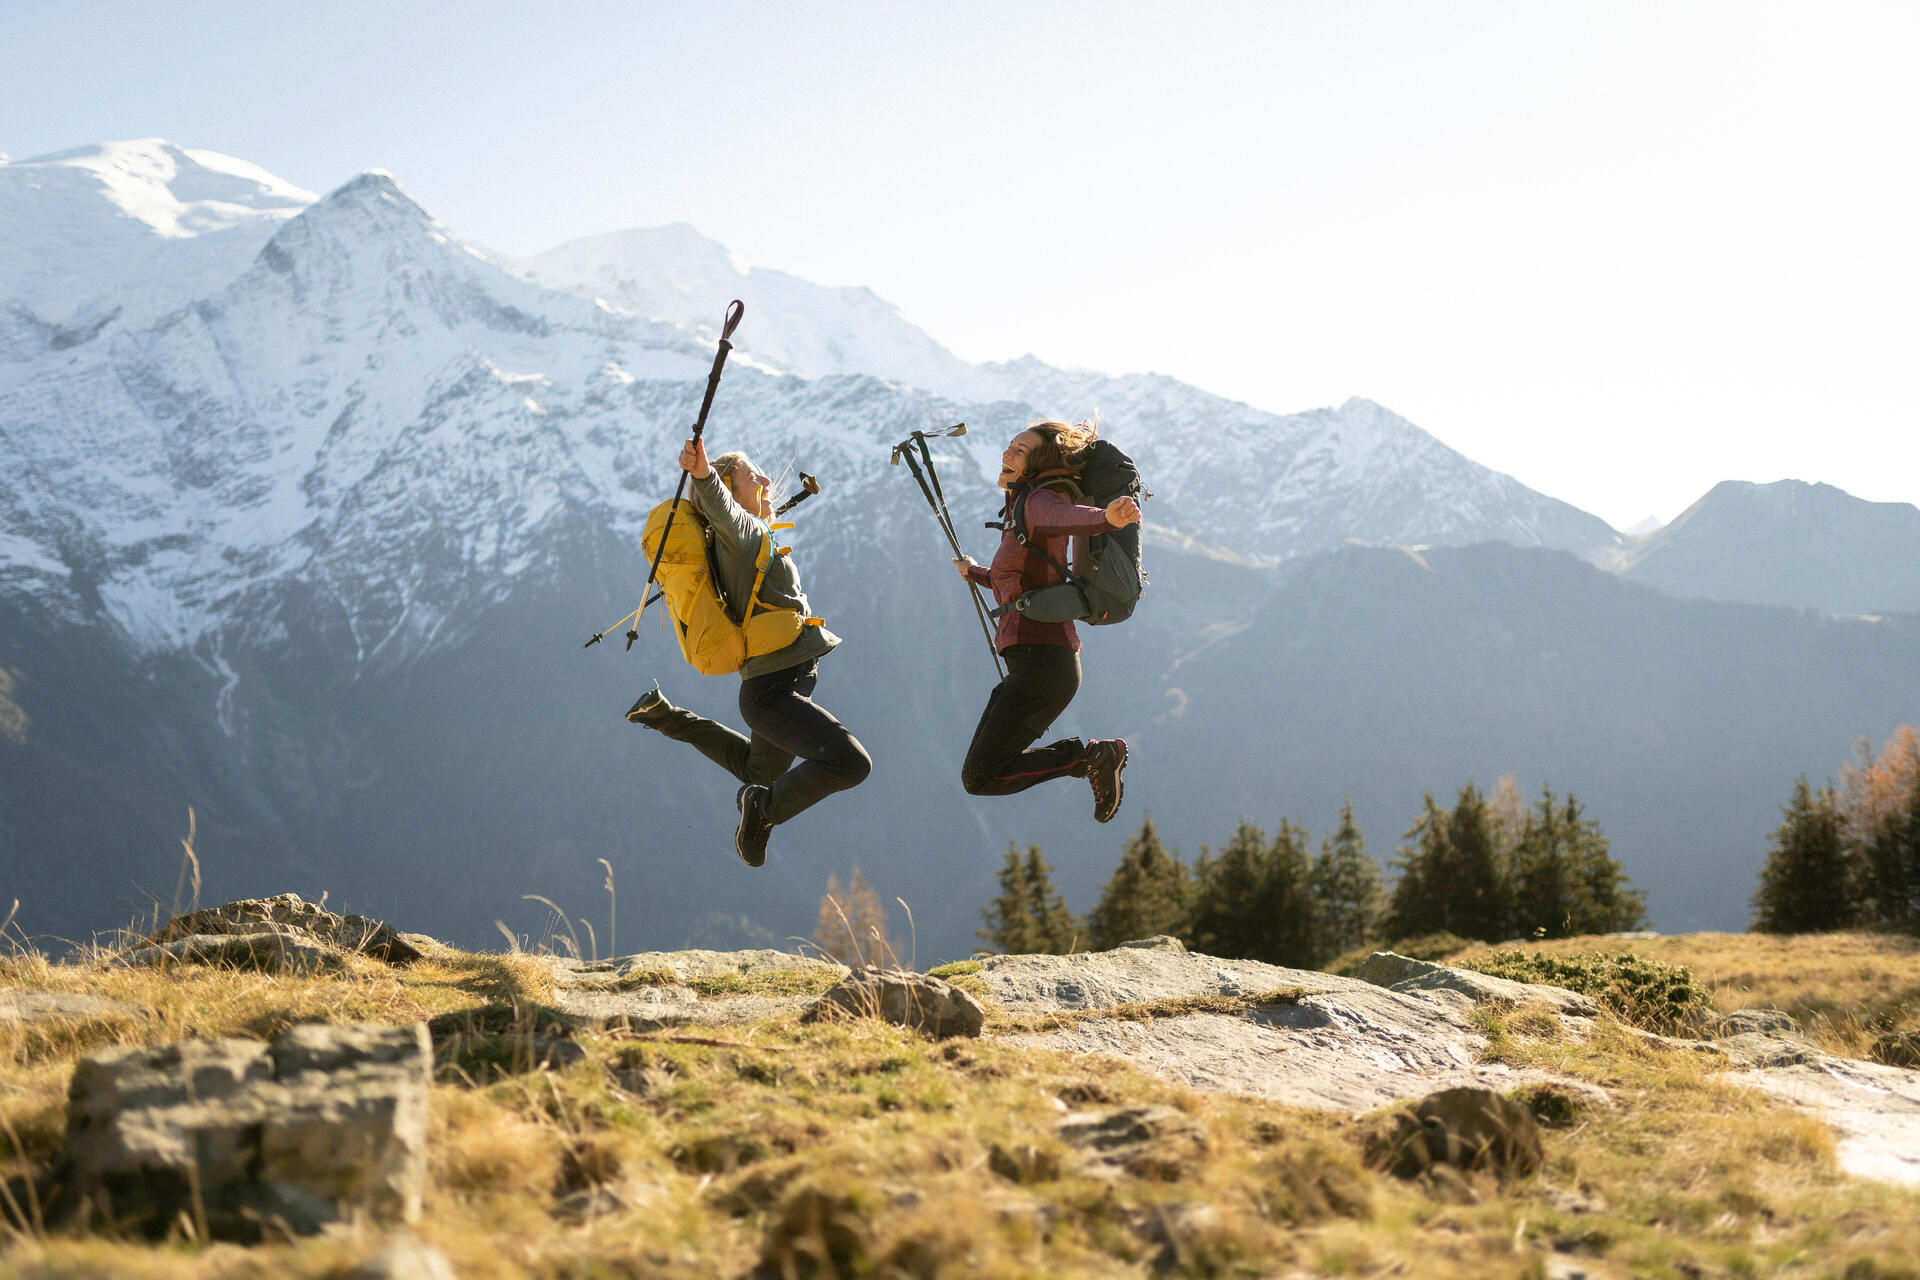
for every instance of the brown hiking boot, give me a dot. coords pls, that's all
(652, 705)
(750, 837)
(1106, 758)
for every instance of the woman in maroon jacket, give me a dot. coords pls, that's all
(1043, 658)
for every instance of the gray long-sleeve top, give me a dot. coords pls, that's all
(738, 536)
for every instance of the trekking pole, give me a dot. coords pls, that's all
(937, 499)
(808, 487)
(735, 310)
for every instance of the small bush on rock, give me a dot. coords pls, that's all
(1646, 993)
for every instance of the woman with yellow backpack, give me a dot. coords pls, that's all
(733, 499)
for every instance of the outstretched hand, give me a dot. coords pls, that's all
(1123, 511)
(693, 457)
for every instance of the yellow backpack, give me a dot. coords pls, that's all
(712, 641)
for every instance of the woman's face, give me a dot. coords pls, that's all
(752, 488)
(1013, 463)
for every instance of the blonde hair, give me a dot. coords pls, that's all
(1062, 445)
(724, 464)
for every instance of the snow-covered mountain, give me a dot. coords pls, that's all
(125, 232)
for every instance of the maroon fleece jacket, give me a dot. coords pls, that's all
(1051, 522)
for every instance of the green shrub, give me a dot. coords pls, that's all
(1646, 993)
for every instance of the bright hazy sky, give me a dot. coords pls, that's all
(1621, 251)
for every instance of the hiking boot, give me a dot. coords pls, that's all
(653, 704)
(750, 837)
(1106, 758)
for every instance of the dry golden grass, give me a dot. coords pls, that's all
(1846, 989)
(860, 1149)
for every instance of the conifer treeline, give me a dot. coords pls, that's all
(1849, 859)
(1485, 870)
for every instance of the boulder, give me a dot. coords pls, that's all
(1403, 973)
(1467, 1129)
(322, 1121)
(1158, 942)
(903, 998)
(290, 915)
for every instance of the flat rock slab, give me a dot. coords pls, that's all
(1873, 1110)
(624, 991)
(1347, 1045)
(46, 1006)
(1403, 973)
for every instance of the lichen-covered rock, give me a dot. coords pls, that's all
(905, 999)
(266, 952)
(1466, 1129)
(1747, 1021)
(324, 1120)
(1403, 973)
(289, 914)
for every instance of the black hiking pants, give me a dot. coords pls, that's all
(787, 724)
(1041, 680)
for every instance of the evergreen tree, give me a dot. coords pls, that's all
(1346, 885)
(1417, 906)
(1804, 886)
(1284, 920)
(1890, 871)
(1010, 926)
(1227, 884)
(1601, 901)
(852, 924)
(1476, 883)
(1543, 880)
(1566, 881)
(1148, 894)
(1055, 929)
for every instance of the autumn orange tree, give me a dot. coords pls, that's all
(852, 924)
(1849, 857)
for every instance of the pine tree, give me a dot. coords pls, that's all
(1804, 888)
(1417, 906)
(1227, 884)
(1890, 871)
(1346, 885)
(1010, 925)
(1284, 924)
(1148, 894)
(1477, 884)
(1056, 932)
(1543, 878)
(1601, 901)
(852, 925)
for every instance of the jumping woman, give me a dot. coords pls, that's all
(1043, 658)
(775, 688)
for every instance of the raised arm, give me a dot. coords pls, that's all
(733, 527)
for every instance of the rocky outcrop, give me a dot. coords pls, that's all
(241, 1135)
(304, 923)
(1332, 1043)
(658, 989)
(1403, 973)
(904, 999)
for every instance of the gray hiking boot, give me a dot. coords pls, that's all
(1106, 758)
(750, 837)
(652, 705)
